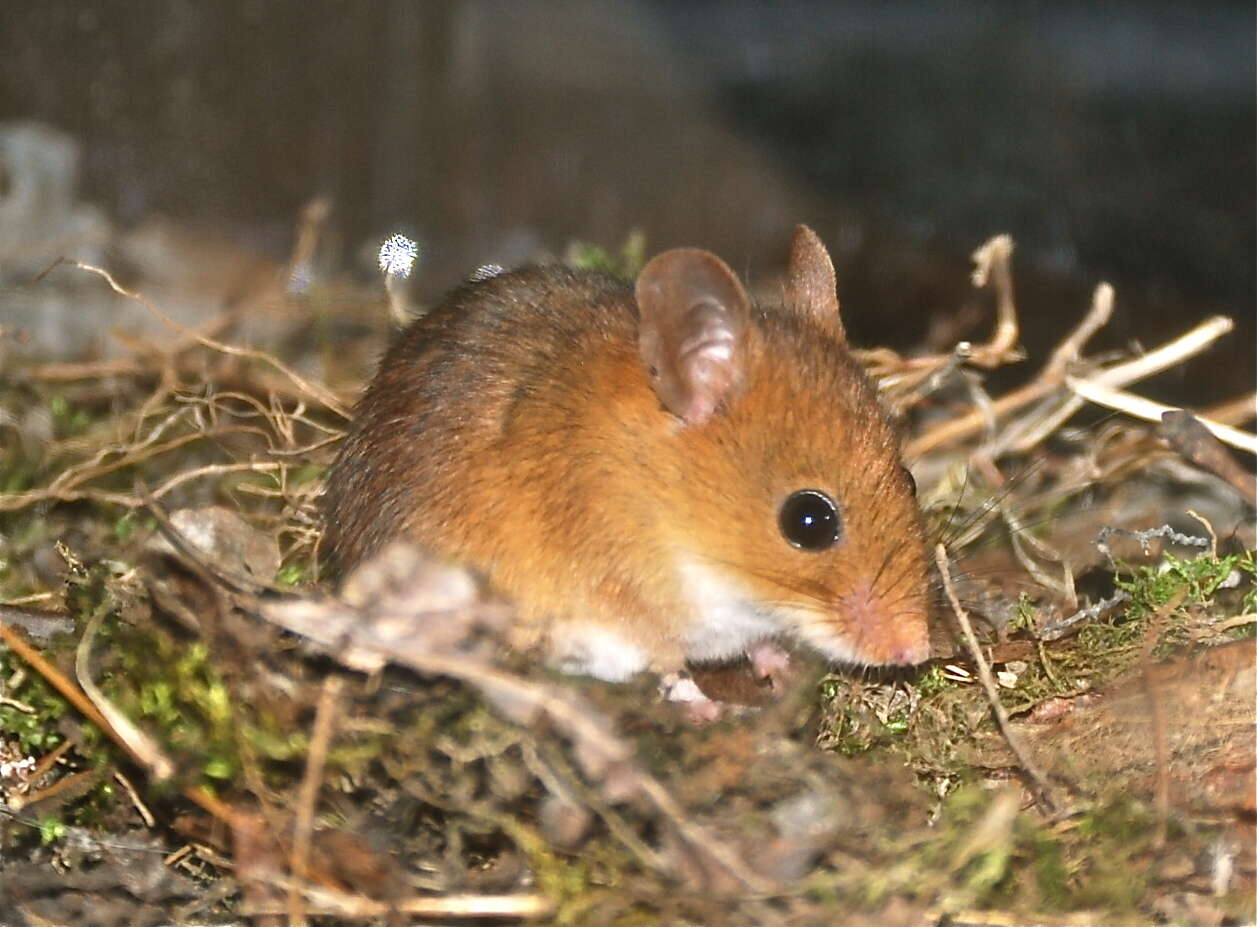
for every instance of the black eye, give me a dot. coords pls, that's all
(809, 519)
(912, 480)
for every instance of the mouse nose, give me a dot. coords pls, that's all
(887, 636)
(909, 653)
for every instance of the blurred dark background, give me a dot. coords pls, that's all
(1113, 141)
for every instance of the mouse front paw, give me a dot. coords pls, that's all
(770, 664)
(680, 687)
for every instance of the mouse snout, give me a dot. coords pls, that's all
(909, 652)
(886, 633)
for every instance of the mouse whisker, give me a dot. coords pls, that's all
(948, 536)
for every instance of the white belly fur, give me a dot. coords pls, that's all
(725, 626)
(591, 650)
(726, 623)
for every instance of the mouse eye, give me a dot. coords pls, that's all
(911, 480)
(809, 520)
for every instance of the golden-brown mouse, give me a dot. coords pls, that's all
(653, 473)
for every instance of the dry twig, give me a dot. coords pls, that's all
(1188, 435)
(1049, 379)
(316, 758)
(137, 743)
(327, 903)
(319, 393)
(992, 269)
(1027, 762)
(1151, 634)
(1146, 409)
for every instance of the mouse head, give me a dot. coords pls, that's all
(791, 502)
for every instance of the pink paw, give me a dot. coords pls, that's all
(769, 662)
(681, 688)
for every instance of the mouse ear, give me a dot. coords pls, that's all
(811, 286)
(694, 314)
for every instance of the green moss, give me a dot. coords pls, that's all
(1150, 587)
(625, 263)
(933, 681)
(1105, 649)
(168, 684)
(51, 829)
(35, 731)
(292, 574)
(1115, 873)
(1024, 614)
(1100, 861)
(1050, 866)
(17, 474)
(126, 527)
(68, 421)
(1247, 564)
(853, 733)
(38, 731)
(177, 695)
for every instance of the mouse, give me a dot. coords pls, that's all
(657, 473)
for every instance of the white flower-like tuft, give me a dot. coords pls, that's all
(397, 256)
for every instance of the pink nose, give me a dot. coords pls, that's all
(909, 653)
(888, 637)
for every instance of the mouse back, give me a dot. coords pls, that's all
(427, 446)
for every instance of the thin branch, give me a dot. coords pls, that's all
(1021, 436)
(1024, 758)
(1189, 344)
(993, 270)
(327, 902)
(138, 743)
(319, 393)
(253, 466)
(1157, 710)
(316, 759)
(1050, 377)
(13, 501)
(1235, 411)
(1093, 390)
